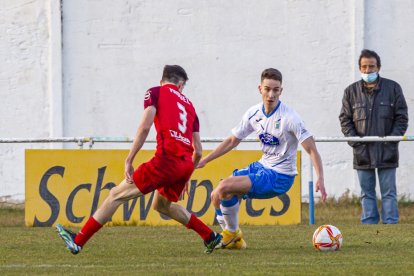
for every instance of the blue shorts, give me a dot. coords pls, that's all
(266, 183)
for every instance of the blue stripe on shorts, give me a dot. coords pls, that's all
(266, 183)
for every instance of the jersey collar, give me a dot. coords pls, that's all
(172, 86)
(271, 113)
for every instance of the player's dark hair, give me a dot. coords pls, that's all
(271, 73)
(369, 54)
(174, 74)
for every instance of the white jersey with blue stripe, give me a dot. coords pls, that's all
(279, 132)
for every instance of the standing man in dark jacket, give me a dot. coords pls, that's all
(375, 106)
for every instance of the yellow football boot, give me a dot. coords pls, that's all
(230, 237)
(240, 244)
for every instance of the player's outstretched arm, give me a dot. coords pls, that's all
(310, 147)
(142, 133)
(198, 148)
(227, 145)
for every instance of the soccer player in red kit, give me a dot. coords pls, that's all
(178, 153)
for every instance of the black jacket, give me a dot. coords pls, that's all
(381, 113)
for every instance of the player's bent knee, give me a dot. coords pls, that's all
(216, 202)
(224, 195)
(120, 195)
(214, 196)
(224, 190)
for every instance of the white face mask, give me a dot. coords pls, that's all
(369, 78)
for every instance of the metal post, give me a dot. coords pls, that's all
(80, 144)
(91, 143)
(311, 201)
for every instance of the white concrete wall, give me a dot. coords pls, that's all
(114, 50)
(24, 76)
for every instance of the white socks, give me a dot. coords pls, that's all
(230, 213)
(220, 219)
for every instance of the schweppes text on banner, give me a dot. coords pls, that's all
(67, 186)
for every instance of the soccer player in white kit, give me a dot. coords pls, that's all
(280, 130)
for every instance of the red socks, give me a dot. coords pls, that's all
(197, 225)
(87, 231)
(92, 226)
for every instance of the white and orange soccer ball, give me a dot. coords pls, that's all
(327, 238)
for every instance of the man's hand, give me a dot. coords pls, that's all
(185, 191)
(320, 187)
(129, 171)
(201, 164)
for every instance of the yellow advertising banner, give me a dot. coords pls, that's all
(67, 186)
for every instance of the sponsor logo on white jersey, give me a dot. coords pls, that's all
(269, 139)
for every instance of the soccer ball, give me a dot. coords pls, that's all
(327, 238)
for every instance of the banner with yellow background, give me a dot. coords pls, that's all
(67, 186)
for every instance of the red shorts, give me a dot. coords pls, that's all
(168, 176)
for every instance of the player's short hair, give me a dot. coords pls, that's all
(271, 73)
(174, 74)
(369, 54)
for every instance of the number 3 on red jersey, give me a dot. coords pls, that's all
(182, 126)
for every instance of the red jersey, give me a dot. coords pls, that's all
(175, 120)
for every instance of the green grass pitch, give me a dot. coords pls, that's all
(272, 250)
